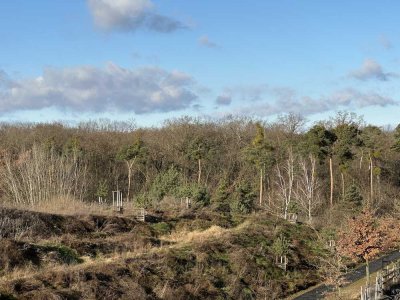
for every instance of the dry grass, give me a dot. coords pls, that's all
(71, 206)
(63, 206)
(184, 237)
(201, 236)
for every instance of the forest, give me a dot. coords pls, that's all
(245, 178)
(234, 164)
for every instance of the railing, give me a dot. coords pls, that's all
(386, 278)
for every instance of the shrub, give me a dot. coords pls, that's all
(220, 197)
(353, 198)
(198, 193)
(4, 296)
(244, 197)
(165, 184)
(162, 228)
(143, 200)
(65, 254)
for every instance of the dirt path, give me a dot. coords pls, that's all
(352, 276)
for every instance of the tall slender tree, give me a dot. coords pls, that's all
(132, 155)
(319, 142)
(347, 136)
(372, 142)
(260, 154)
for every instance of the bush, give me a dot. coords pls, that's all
(65, 254)
(162, 228)
(199, 194)
(353, 198)
(4, 296)
(220, 197)
(244, 197)
(143, 200)
(165, 184)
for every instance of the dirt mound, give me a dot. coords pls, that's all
(111, 224)
(24, 224)
(20, 224)
(15, 254)
(223, 263)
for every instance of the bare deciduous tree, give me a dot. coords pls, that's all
(40, 174)
(285, 182)
(307, 187)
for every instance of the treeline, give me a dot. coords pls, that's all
(234, 164)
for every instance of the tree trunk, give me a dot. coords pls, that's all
(331, 179)
(367, 270)
(371, 167)
(261, 186)
(342, 176)
(199, 172)
(129, 165)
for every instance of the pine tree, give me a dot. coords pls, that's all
(319, 142)
(102, 190)
(396, 145)
(353, 198)
(133, 154)
(260, 153)
(243, 199)
(220, 199)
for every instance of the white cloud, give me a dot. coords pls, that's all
(247, 93)
(286, 100)
(130, 15)
(206, 42)
(371, 70)
(91, 89)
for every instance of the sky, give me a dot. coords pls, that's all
(152, 60)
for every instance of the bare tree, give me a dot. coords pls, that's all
(285, 182)
(40, 174)
(307, 187)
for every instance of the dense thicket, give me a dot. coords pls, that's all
(233, 164)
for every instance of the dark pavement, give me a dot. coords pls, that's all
(352, 276)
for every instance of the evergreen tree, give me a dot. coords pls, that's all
(372, 143)
(133, 154)
(198, 149)
(353, 198)
(102, 189)
(319, 142)
(396, 145)
(221, 195)
(244, 197)
(347, 134)
(260, 154)
(165, 184)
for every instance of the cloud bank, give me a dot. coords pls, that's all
(371, 70)
(130, 15)
(276, 100)
(92, 89)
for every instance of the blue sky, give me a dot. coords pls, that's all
(152, 60)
